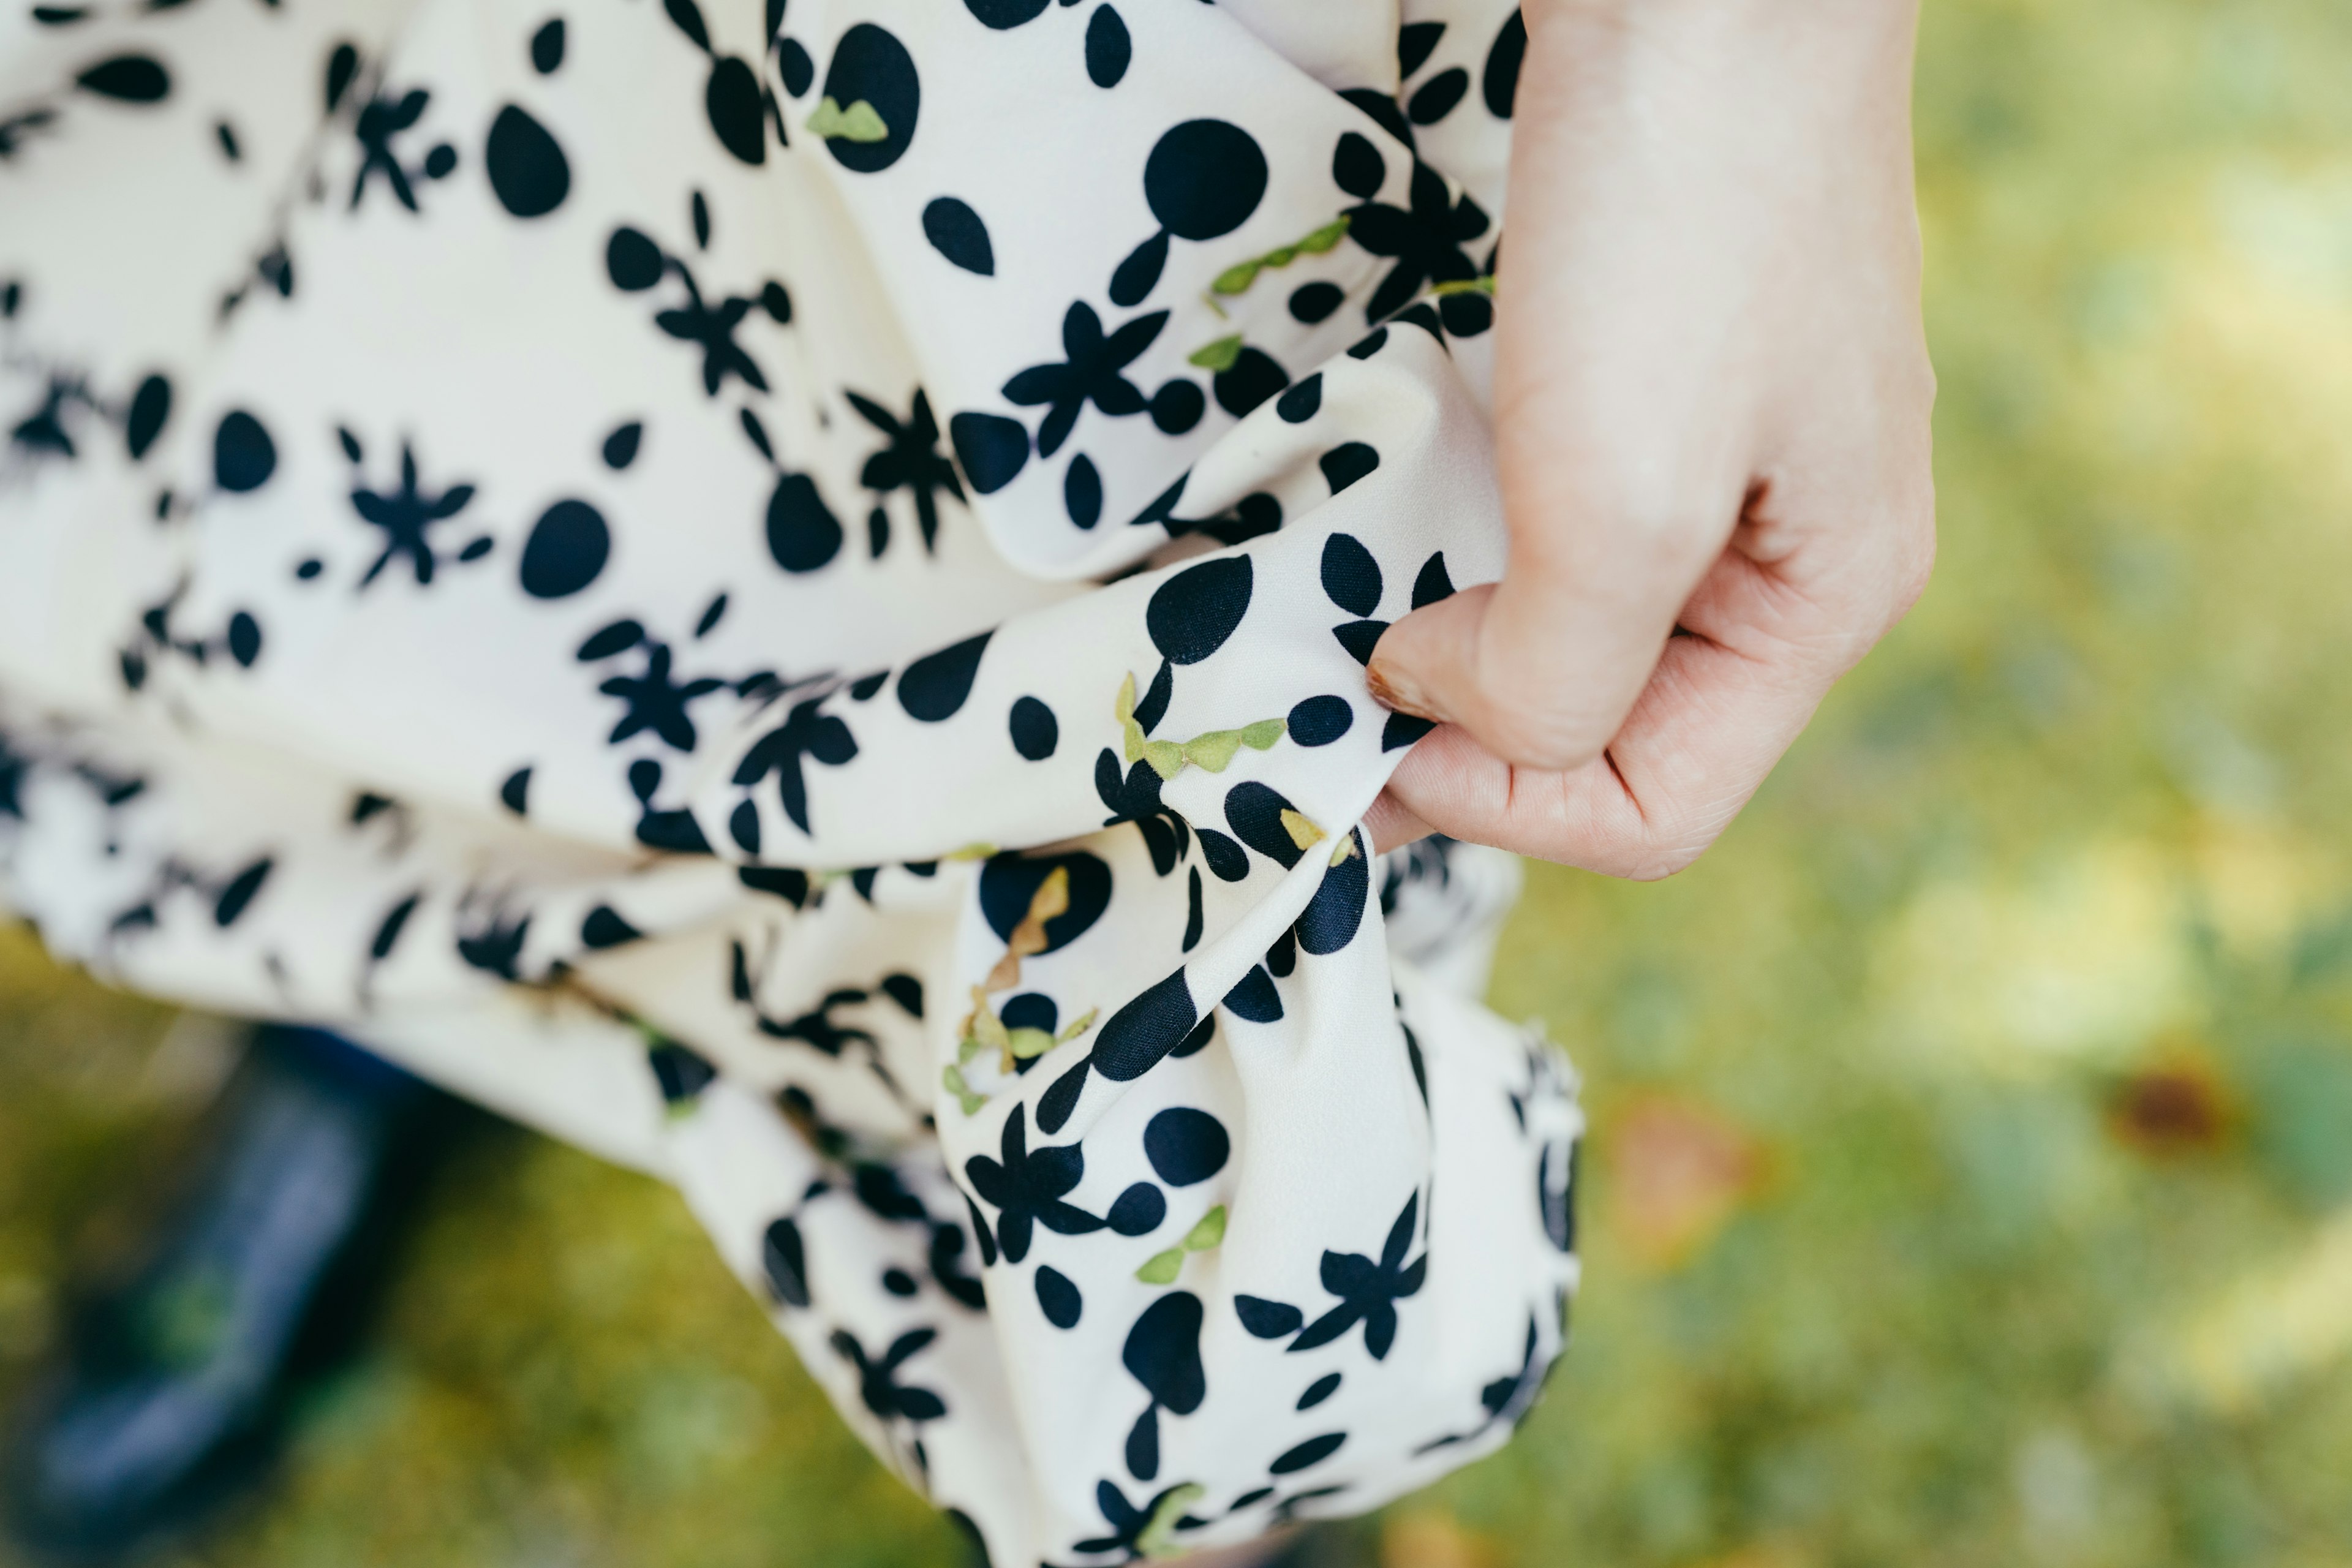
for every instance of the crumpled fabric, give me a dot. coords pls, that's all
(780, 590)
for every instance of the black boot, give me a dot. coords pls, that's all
(170, 1396)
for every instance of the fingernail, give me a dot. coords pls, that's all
(1396, 690)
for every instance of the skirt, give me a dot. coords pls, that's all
(780, 590)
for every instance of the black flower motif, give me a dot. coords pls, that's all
(1134, 796)
(1369, 1291)
(1089, 375)
(656, 702)
(878, 1387)
(807, 732)
(406, 516)
(713, 328)
(1129, 1522)
(1425, 241)
(912, 462)
(1026, 1189)
(382, 120)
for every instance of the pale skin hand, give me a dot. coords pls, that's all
(1711, 411)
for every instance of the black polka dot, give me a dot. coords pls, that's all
(632, 260)
(933, 686)
(227, 134)
(1344, 465)
(1178, 406)
(1357, 166)
(1338, 907)
(1004, 14)
(128, 79)
(1193, 613)
(1313, 302)
(242, 889)
(243, 455)
(1031, 1010)
(1500, 82)
(1139, 1034)
(1253, 377)
(605, 927)
(310, 568)
(899, 1282)
(1008, 883)
(1185, 1145)
(1058, 1297)
(1321, 1389)
(1163, 1352)
(343, 64)
(567, 548)
(149, 407)
(1138, 1211)
(621, 445)
(244, 638)
(1351, 576)
(1108, 48)
(1035, 732)
(1320, 720)
(991, 447)
(1082, 491)
(803, 532)
(1436, 98)
(1370, 344)
(1433, 582)
(872, 66)
(1359, 638)
(1403, 730)
(1300, 403)
(515, 792)
(1203, 179)
(547, 47)
(1134, 278)
(731, 102)
(957, 233)
(798, 70)
(777, 302)
(1253, 810)
(606, 641)
(743, 826)
(783, 1257)
(527, 169)
(1313, 1451)
(1415, 41)
(1225, 857)
(1466, 315)
(1256, 998)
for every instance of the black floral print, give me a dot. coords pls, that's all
(450, 587)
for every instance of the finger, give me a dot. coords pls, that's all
(1707, 730)
(1392, 825)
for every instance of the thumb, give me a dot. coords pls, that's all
(1542, 668)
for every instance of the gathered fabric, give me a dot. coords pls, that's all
(780, 590)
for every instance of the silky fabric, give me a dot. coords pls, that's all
(780, 590)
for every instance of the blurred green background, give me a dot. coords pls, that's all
(1971, 1181)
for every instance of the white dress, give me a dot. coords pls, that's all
(782, 592)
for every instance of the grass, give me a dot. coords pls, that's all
(1972, 1171)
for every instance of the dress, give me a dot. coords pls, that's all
(781, 591)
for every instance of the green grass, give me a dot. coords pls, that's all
(2072, 842)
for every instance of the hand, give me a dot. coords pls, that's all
(1711, 411)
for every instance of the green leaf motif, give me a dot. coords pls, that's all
(1465, 286)
(953, 1076)
(1219, 356)
(1161, 1269)
(1158, 1537)
(858, 122)
(1237, 278)
(1209, 1233)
